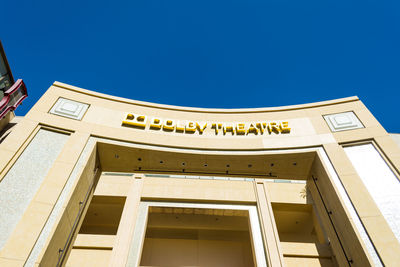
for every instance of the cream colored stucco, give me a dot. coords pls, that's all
(106, 161)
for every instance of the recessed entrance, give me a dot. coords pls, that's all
(197, 237)
(191, 234)
(236, 178)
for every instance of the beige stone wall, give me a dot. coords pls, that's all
(100, 143)
(396, 138)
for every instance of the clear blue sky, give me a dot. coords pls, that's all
(224, 54)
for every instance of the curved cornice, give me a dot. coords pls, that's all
(204, 110)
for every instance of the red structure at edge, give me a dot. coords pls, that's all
(13, 97)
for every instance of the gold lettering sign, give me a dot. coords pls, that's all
(200, 127)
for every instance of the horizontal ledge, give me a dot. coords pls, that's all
(92, 247)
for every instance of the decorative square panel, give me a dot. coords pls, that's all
(343, 121)
(69, 108)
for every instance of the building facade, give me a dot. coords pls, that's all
(88, 179)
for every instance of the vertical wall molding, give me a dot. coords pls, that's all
(273, 249)
(119, 256)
